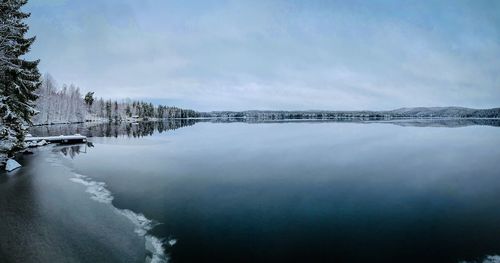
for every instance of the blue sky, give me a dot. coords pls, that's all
(236, 55)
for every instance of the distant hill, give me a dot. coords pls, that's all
(418, 112)
(458, 112)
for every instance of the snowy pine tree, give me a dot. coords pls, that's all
(89, 100)
(19, 78)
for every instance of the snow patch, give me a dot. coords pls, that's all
(34, 143)
(42, 143)
(172, 242)
(11, 165)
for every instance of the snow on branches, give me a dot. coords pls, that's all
(19, 78)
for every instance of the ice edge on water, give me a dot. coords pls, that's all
(97, 190)
(487, 259)
(99, 193)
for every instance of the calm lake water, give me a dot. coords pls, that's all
(410, 191)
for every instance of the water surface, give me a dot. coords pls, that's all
(303, 191)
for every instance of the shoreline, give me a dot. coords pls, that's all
(45, 160)
(57, 220)
(271, 119)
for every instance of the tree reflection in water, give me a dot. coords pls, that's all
(142, 129)
(74, 150)
(128, 129)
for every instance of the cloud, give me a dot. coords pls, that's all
(275, 55)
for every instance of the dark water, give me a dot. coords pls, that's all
(44, 217)
(417, 191)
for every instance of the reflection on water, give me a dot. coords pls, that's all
(128, 129)
(142, 129)
(416, 122)
(74, 150)
(450, 123)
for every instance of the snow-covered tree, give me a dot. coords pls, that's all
(116, 112)
(57, 105)
(66, 105)
(108, 110)
(19, 78)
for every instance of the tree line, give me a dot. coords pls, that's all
(419, 112)
(66, 104)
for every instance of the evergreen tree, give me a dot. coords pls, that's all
(89, 100)
(19, 78)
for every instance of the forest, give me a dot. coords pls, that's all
(67, 104)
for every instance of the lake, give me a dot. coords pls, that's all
(298, 191)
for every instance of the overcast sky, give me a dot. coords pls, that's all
(235, 55)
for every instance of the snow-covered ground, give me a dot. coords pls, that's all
(11, 165)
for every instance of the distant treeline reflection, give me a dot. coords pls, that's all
(128, 129)
(413, 122)
(142, 129)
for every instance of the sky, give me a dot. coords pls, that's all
(272, 54)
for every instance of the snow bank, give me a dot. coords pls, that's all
(33, 143)
(11, 165)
